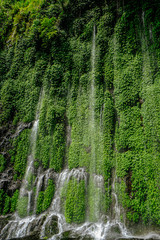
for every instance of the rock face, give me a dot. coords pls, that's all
(21, 126)
(135, 238)
(69, 235)
(35, 236)
(7, 183)
(3, 222)
(8, 132)
(51, 228)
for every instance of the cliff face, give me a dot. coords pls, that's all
(79, 115)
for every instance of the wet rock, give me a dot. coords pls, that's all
(51, 228)
(28, 228)
(4, 183)
(151, 237)
(5, 135)
(33, 236)
(66, 234)
(77, 238)
(69, 235)
(115, 229)
(3, 222)
(14, 185)
(130, 239)
(114, 233)
(21, 126)
(7, 182)
(35, 225)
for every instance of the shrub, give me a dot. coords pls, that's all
(40, 200)
(22, 206)
(48, 195)
(14, 200)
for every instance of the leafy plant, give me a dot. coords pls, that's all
(48, 195)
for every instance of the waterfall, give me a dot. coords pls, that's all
(92, 103)
(117, 210)
(55, 208)
(28, 181)
(147, 75)
(98, 225)
(96, 183)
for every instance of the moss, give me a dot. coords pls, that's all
(40, 200)
(21, 145)
(48, 45)
(57, 151)
(75, 201)
(48, 195)
(14, 200)
(22, 206)
(2, 163)
(6, 205)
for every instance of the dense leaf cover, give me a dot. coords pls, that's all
(46, 46)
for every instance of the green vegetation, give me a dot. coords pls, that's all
(50, 143)
(8, 204)
(73, 195)
(14, 200)
(97, 200)
(20, 153)
(48, 194)
(45, 197)
(40, 202)
(22, 206)
(28, 17)
(2, 163)
(113, 125)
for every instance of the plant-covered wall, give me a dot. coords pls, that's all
(99, 109)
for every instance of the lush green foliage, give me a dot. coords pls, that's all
(48, 195)
(40, 202)
(14, 200)
(46, 46)
(74, 201)
(45, 197)
(20, 153)
(135, 92)
(21, 82)
(50, 142)
(2, 163)
(22, 206)
(8, 204)
(29, 17)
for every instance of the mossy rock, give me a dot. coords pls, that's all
(3, 222)
(51, 227)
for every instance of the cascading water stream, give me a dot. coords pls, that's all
(27, 184)
(147, 78)
(55, 209)
(96, 183)
(117, 211)
(92, 102)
